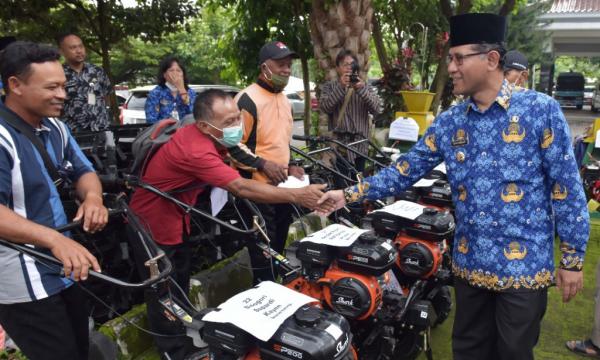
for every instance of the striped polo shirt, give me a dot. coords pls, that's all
(27, 189)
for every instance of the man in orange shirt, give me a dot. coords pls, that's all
(268, 123)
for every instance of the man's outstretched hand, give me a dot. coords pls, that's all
(309, 197)
(331, 201)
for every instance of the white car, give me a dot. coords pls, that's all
(596, 98)
(588, 95)
(297, 104)
(133, 111)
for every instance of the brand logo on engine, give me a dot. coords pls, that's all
(341, 346)
(282, 349)
(358, 258)
(340, 300)
(410, 261)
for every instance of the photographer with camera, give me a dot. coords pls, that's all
(348, 101)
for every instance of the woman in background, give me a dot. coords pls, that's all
(172, 97)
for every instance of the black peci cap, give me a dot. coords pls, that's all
(275, 50)
(515, 60)
(477, 29)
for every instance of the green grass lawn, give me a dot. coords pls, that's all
(562, 322)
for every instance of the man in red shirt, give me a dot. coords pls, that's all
(194, 156)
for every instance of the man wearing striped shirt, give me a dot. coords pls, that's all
(362, 102)
(42, 310)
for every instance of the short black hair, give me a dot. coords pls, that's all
(487, 47)
(203, 106)
(60, 38)
(17, 58)
(5, 41)
(342, 55)
(164, 65)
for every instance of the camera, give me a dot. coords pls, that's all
(354, 74)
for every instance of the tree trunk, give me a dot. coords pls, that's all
(307, 98)
(343, 24)
(507, 7)
(441, 75)
(103, 37)
(379, 45)
(439, 80)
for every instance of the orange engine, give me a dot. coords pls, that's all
(419, 258)
(349, 279)
(350, 294)
(356, 296)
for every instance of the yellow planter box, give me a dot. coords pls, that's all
(591, 136)
(417, 101)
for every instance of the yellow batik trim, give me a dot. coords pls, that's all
(570, 262)
(355, 193)
(491, 281)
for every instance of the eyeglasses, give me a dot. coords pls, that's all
(460, 58)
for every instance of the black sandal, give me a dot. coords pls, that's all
(583, 348)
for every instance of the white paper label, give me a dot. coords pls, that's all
(293, 182)
(260, 311)
(335, 235)
(386, 246)
(91, 98)
(405, 129)
(218, 199)
(334, 331)
(405, 209)
(424, 182)
(441, 167)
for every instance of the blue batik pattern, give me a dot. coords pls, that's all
(161, 104)
(519, 184)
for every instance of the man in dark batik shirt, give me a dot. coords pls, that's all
(87, 88)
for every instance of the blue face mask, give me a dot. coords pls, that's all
(231, 135)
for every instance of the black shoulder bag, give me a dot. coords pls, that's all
(27, 130)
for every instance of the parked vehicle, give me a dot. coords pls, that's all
(570, 89)
(297, 104)
(133, 111)
(595, 105)
(588, 95)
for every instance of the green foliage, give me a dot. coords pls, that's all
(523, 35)
(494, 6)
(589, 67)
(100, 22)
(399, 22)
(522, 31)
(255, 22)
(12, 355)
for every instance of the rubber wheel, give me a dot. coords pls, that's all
(409, 346)
(102, 347)
(442, 303)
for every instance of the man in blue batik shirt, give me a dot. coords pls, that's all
(514, 181)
